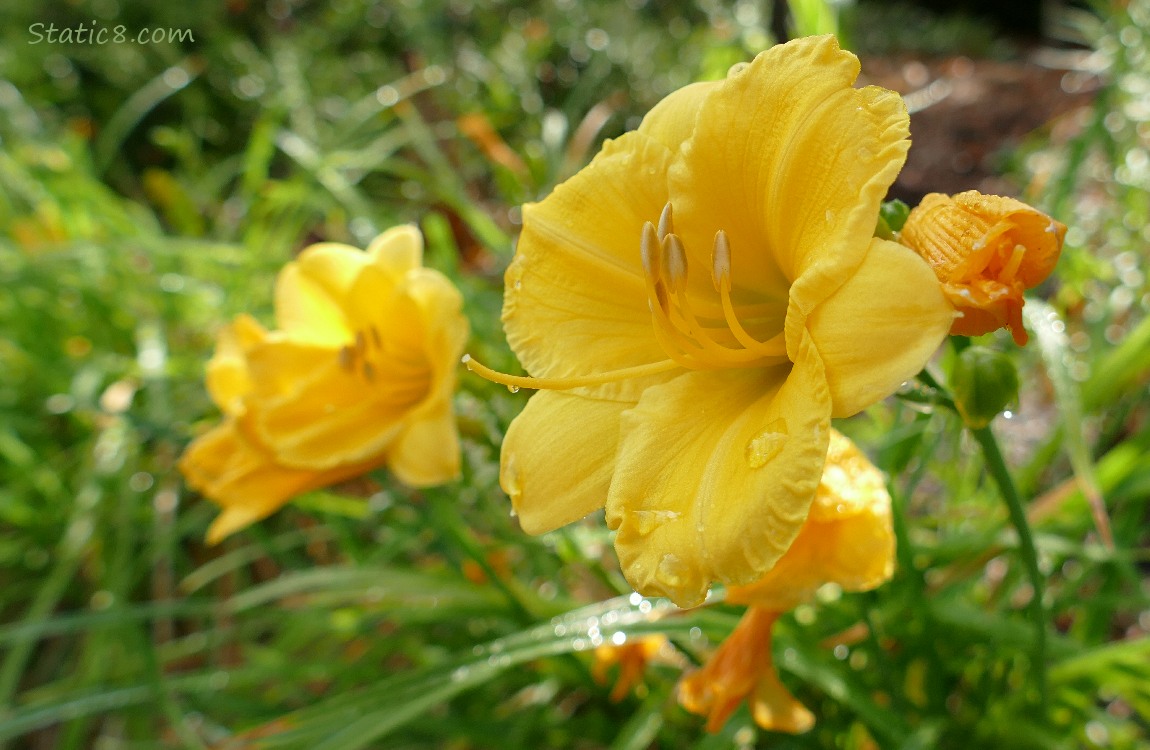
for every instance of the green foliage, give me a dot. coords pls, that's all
(149, 192)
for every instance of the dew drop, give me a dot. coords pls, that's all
(513, 388)
(511, 480)
(671, 571)
(767, 444)
(647, 521)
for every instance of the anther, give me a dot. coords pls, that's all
(721, 262)
(375, 337)
(368, 372)
(675, 261)
(666, 221)
(360, 342)
(345, 357)
(649, 251)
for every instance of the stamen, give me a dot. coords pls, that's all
(346, 357)
(721, 262)
(686, 340)
(368, 371)
(666, 221)
(360, 343)
(564, 384)
(1012, 265)
(650, 252)
(675, 262)
(375, 337)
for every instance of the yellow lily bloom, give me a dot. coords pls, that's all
(698, 302)
(848, 539)
(359, 374)
(986, 250)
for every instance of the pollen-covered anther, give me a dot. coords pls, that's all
(666, 221)
(694, 340)
(346, 358)
(721, 262)
(675, 262)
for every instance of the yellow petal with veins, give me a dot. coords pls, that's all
(792, 163)
(715, 474)
(847, 539)
(557, 436)
(575, 301)
(878, 328)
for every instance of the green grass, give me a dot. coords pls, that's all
(150, 192)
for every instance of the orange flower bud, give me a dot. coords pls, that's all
(986, 250)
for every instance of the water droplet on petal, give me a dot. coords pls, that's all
(647, 521)
(671, 571)
(511, 480)
(766, 445)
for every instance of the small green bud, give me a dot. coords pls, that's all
(983, 382)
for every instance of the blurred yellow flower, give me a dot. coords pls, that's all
(986, 250)
(698, 303)
(847, 540)
(359, 374)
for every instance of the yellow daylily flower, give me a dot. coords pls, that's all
(848, 539)
(698, 302)
(986, 250)
(359, 374)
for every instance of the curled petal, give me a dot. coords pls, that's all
(228, 379)
(791, 162)
(879, 328)
(558, 458)
(715, 474)
(242, 477)
(848, 538)
(742, 669)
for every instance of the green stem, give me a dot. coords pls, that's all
(998, 471)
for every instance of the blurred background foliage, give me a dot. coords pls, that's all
(148, 192)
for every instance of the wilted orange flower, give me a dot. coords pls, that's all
(986, 250)
(848, 540)
(359, 375)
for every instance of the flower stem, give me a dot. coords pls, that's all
(998, 471)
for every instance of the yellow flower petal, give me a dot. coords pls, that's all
(556, 437)
(397, 251)
(715, 474)
(791, 162)
(575, 301)
(672, 120)
(309, 291)
(426, 452)
(878, 328)
(227, 379)
(848, 538)
(316, 414)
(225, 465)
